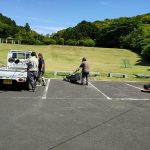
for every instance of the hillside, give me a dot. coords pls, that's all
(103, 60)
(124, 32)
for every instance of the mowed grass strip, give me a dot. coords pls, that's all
(103, 60)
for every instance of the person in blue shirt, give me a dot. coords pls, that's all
(41, 69)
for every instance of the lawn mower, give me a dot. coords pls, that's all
(73, 78)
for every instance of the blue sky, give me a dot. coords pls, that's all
(49, 16)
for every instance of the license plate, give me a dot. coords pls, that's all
(5, 81)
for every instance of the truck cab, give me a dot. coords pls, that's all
(22, 56)
(16, 69)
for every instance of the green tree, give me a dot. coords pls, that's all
(27, 27)
(86, 42)
(146, 51)
(60, 41)
(71, 42)
(49, 41)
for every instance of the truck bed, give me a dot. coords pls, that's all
(12, 73)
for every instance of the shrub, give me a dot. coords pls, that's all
(71, 42)
(86, 42)
(146, 51)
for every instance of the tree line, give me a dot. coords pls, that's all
(8, 28)
(125, 32)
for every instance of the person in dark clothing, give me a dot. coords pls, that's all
(41, 69)
(85, 70)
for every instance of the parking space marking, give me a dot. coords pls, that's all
(44, 95)
(25, 98)
(112, 99)
(133, 86)
(99, 91)
(46, 89)
(132, 99)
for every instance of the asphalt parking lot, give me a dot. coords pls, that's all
(62, 116)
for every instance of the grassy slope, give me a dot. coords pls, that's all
(103, 60)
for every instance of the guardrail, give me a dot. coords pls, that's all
(94, 74)
(142, 76)
(117, 75)
(62, 72)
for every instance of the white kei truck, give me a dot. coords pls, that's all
(15, 73)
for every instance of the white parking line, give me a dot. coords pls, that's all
(133, 86)
(132, 99)
(46, 89)
(77, 98)
(112, 99)
(99, 91)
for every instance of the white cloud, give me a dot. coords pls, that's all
(37, 19)
(46, 29)
(42, 29)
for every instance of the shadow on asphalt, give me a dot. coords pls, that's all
(12, 88)
(77, 83)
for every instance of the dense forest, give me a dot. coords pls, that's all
(125, 32)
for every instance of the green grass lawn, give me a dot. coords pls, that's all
(103, 60)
